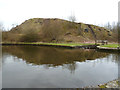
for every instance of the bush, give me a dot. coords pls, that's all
(9, 37)
(30, 36)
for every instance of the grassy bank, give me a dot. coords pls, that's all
(110, 46)
(59, 44)
(66, 44)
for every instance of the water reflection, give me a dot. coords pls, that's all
(52, 56)
(56, 67)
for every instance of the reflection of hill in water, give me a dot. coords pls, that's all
(51, 55)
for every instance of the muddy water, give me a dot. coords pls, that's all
(50, 67)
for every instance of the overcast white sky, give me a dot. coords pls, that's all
(96, 12)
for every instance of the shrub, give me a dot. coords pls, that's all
(30, 36)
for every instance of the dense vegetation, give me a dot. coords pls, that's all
(57, 30)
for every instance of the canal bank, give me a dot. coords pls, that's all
(64, 45)
(109, 47)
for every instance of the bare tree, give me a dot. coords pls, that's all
(14, 25)
(1, 29)
(72, 18)
(114, 28)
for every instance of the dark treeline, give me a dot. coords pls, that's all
(113, 27)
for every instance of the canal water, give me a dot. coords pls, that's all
(50, 67)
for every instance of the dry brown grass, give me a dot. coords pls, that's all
(57, 30)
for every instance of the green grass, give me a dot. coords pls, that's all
(110, 45)
(61, 44)
(118, 83)
(68, 44)
(102, 86)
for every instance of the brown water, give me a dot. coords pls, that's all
(50, 67)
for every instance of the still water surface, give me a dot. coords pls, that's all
(50, 67)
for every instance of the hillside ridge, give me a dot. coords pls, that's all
(59, 30)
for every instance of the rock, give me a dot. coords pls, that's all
(111, 84)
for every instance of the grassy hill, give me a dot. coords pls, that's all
(56, 30)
